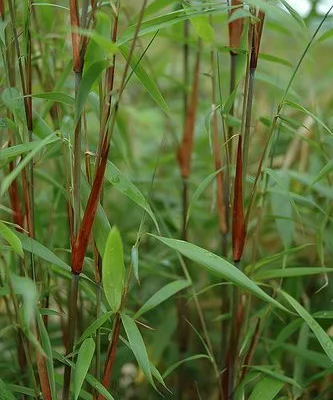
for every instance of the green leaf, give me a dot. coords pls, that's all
(282, 206)
(137, 345)
(3, 25)
(294, 14)
(276, 60)
(276, 375)
(199, 190)
(41, 251)
(290, 272)
(178, 363)
(90, 76)
(135, 261)
(161, 295)
(97, 48)
(46, 345)
(12, 239)
(21, 390)
(113, 271)
(11, 152)
(5, 393)
(203, 28)
(266, 389)
(306, 111)
(219, 267)
(27, 289)
(12, 175)
(56, 97)
(126, 187)
(99, 387)
(92, 328)
(323, 338)
(13, 100)
(84, 358)
(145, 78)
(166, 20)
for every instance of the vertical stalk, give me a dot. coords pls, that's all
(78, 57)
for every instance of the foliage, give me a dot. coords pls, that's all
(166, 200)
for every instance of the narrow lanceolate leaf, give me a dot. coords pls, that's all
(323, 338)
(238, 223)
(10, 177)
(39, 250)
(291, 272)
(178, 363)
(11, 238)
(92, 328)
(203, 28)
(235, 27)
(135, 262)
(56, 97)
(84, 358)
(266, 389)
(11, 152)
(27, 289)
(218, 266)
(126, 187)
(138, 346)
(113, 271)
(163, 294)
(89, 77)
(185, 150)
(145, 78)
(6, 394)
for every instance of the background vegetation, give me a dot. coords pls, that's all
(166, 200)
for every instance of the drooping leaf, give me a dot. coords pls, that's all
(266, 389)
(6, 394)
(90, 76)
(92, 328)
(56, 97)
(203, 28)
(13, 100)
(145, 78)
(11, 176)
(9, 153)
(27, 289)
(41, 251)
(125, 186)
(161, 295)
(290, 272)
(218, 266)
(135, 262)
(199, 190)
(82, 365)
(113, 271)
(11, 238)
(323, 338)
(178, 363)
(138, 346)
(96, 50)
(275, 375)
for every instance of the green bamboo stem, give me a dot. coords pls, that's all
(248, 117)
(71, 329)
